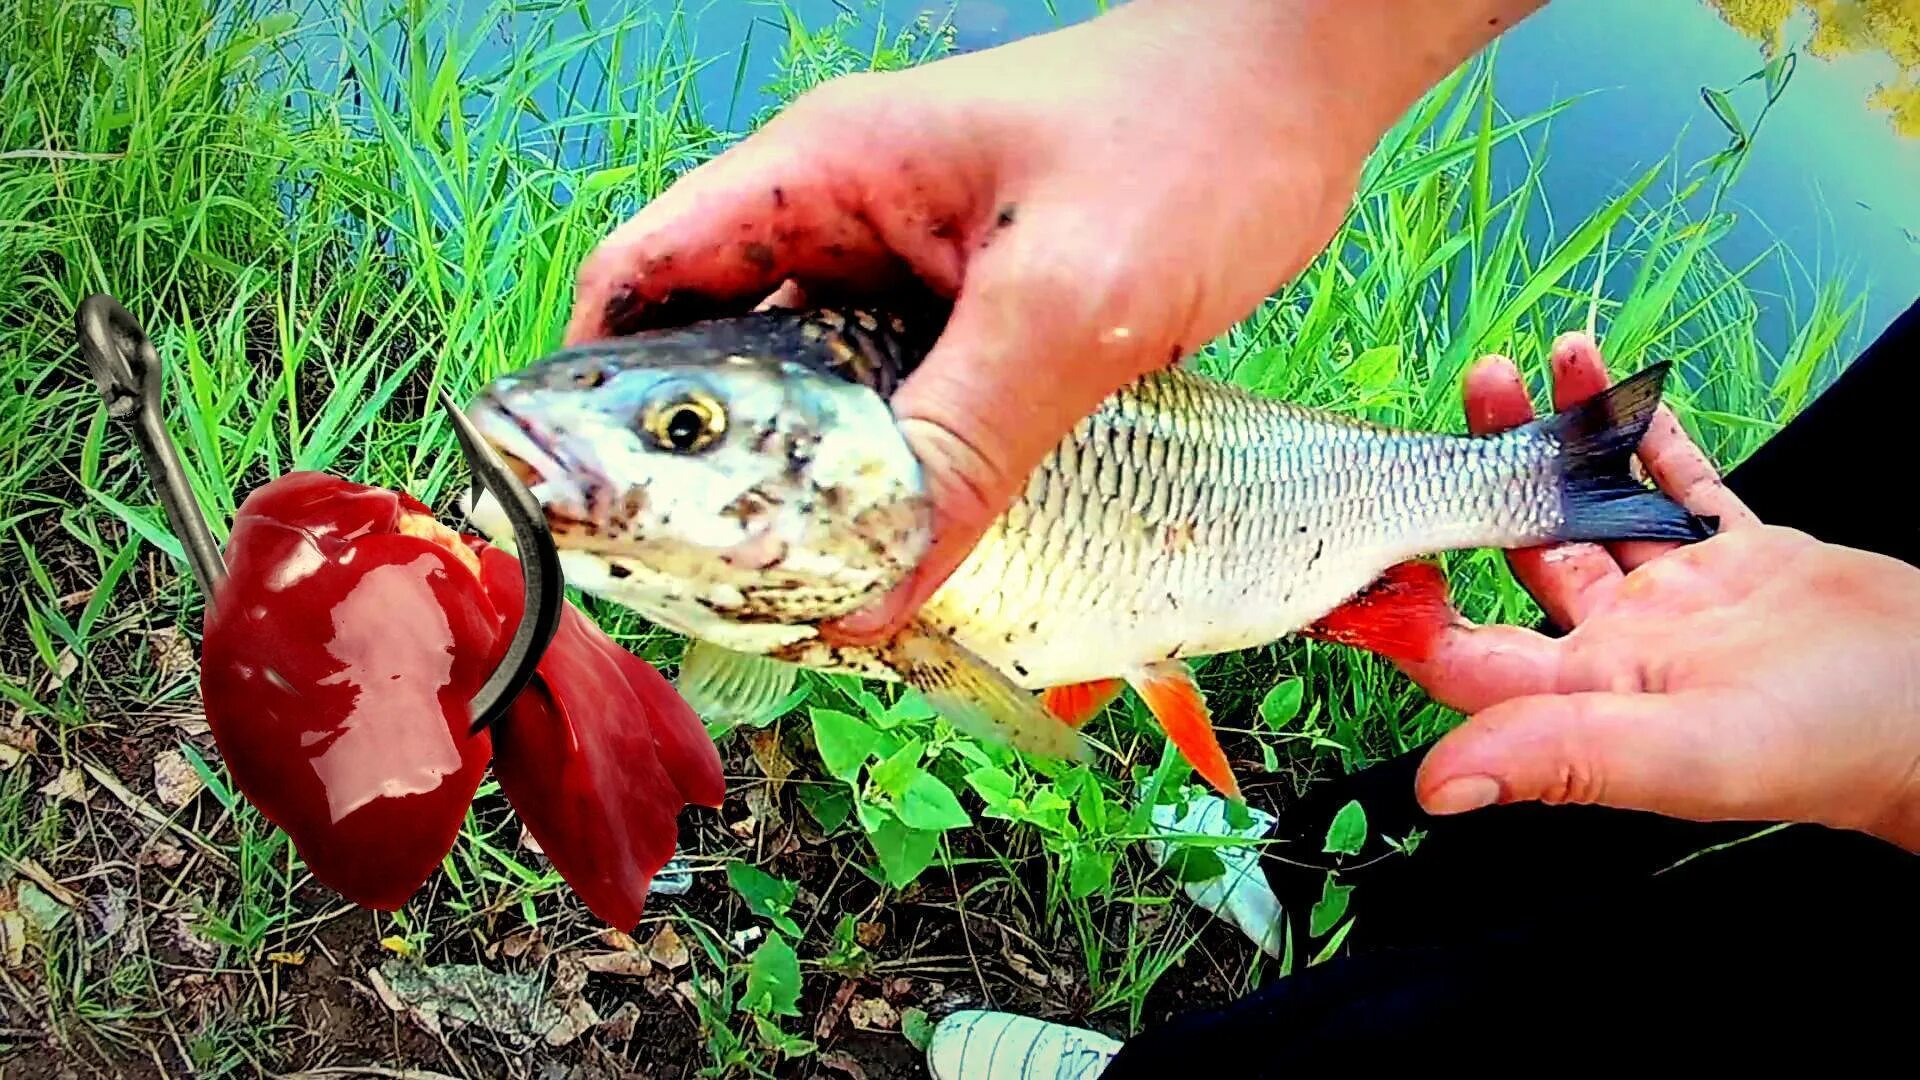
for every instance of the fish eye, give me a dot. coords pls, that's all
(685, 423)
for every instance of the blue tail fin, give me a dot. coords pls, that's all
(1600, 499)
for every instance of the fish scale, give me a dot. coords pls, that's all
(1186, 517)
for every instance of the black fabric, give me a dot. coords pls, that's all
(1527, 937)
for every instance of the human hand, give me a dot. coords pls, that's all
(1098, 201)
(1758, 675)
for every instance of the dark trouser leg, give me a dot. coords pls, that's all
(1842, 469)
(1571, 927)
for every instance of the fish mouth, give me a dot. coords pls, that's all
(565, 499)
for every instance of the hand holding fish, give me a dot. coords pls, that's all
(1070, 192)
(1759, 675)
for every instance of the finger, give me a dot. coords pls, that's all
(1566, 580)
(974, 412)
(1670, 754)
(1475, 667)
(724, 237)
(789, 295)
(1681, 469)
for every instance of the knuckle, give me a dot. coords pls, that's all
(1574, 782)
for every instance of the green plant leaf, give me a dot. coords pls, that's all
(1348, 833)
(767, 896)
(903, 851)
(911, 706)
(994, 786)
(844, 742)
(928, 803)
(916, 1026)
(1089, 871)
(897, 772)
(1190, 864)
(1330, 907)
(830, 806)
(1282, 703)
(773, 979)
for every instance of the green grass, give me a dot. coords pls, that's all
(313, 270)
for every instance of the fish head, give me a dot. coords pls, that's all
(706, 472)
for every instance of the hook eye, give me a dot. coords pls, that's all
(539, 571)
(123, 360)
(127, 368)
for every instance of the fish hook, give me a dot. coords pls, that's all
(126, 367)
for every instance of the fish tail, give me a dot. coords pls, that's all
(1600, 498)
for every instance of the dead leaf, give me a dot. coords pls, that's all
(518, 944)
(174, 781)
(32, 869)
(667, 950)
(527, 841)
(24, 738)
(659, 983)
(193, 727)
(170, 651)
(619, 1027)
(396, 944)
(873, 1014)
(75, 599)
(579, 1019)
(745, 827)
(630, 964)
(618, 940)
(297, 958)
(836, 1008)
(841, 1061)
(164, 854)
(190, 941)
(1026, 970)
(773, 761)
(71, 784)
(870, 933)
(109, 910)
(64, 666)
(690, 994)
(13, 938)
(569, 977)
(9, 757)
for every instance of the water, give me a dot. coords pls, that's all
(1828, 179)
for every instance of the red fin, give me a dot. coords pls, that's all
(1401, 615)
(1176, 702)
(1077, 703)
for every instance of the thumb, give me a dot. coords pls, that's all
(1023, 358)
(1674, 754)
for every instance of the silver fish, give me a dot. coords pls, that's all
(741, 481)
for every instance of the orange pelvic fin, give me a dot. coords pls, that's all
(1401, 615)
(1077, 703)
(1175, 700)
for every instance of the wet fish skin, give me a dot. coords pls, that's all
(1184, 517)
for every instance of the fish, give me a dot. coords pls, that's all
(741, 480)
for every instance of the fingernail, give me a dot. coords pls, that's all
(1463, 794)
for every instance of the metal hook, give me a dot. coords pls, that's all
(126, 367)
(539, 570)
